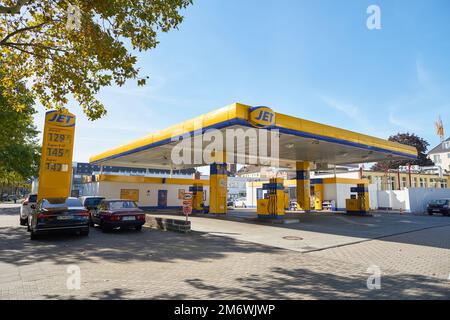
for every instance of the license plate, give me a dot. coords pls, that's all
(65, 217)
(128, 218)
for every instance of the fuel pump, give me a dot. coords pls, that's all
(359, 202)
(272, 206)
(197, 197)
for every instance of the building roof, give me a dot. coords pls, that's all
(440, 148)
(299, 139)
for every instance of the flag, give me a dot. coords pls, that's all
(440, 128)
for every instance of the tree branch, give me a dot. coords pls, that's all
(28, 52)
(28, 44)
(5, 39)
(15, 9)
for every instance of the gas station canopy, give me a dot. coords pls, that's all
(299, 140)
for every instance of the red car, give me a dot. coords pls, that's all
(112, 214)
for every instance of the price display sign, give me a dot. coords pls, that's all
(57, 151)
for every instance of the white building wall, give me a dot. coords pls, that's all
(411, 200)
(251, 196)
(373, 196)
(330, 193)
(420, 197)
(148, 193)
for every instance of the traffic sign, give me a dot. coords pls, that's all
(187, 204)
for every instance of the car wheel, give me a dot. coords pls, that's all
(244, 206)
(105, 229)
(23, 222)
(138, 228)
(33, 236)
(430, 213)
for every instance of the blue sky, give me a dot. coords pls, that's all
(313, 59)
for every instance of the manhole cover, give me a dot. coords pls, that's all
(292, 238)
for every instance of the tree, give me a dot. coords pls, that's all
(77, 47)
(19, 151)
(412, 140)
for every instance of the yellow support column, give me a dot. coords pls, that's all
(303, 185)
(218, 180)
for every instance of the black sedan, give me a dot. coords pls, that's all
(439, 206)
(113, 214)
(58, 214)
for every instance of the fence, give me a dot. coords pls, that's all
(411, 200)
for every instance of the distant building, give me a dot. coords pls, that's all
(399, 179)
(440, 155)
(258, 172)
(82, 171)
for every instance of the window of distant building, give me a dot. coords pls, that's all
(422, 185)
(391, 183)
(446, 145)
(403, 183)
(448, 155)
(437, 158)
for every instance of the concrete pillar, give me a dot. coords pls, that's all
(303, 185)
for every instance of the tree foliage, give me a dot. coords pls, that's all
(412, 140)
(19, 151)
(74, 48)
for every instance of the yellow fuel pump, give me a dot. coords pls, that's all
(197, 197)
(318, 196)
(286, 200)
(273, 204)
(359, 202)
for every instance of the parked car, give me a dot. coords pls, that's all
(240, 203)
(112, 214)
(91, 202)
(27, 207)
(439, 206)
(58, 214)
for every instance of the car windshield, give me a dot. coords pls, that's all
(439, 202)
(32, 198)
(61, 202)
(92, 202)
(117, 205)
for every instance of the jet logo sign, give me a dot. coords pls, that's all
(262, 117)
(60, 119)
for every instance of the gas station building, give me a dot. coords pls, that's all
(303, 146)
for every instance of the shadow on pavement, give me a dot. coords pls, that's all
(16, 248)
(304, 283)
(383, 226)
